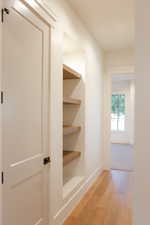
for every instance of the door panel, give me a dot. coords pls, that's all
(28, 203)
(22, 87)
(25, 116)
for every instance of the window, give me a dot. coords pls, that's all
(118, 112)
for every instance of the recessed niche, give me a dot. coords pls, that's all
(73, 115)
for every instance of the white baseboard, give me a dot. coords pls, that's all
(67, 208)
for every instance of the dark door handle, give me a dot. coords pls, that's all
(46, 160)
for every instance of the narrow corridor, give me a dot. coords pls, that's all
(108, 202)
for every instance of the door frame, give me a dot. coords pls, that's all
(1, 5)
(107, 108)
(41, 9)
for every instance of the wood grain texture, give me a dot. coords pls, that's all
(70, 129)
(71, 101)
(108, 202)
(69, 156)
(69, 73)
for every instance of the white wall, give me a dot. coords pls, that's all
(125, 87)
(123, 58)
(106, 121)
(142, 119)
(69, 23)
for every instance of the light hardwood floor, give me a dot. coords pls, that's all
(108, 202)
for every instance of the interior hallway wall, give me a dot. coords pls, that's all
(120, 59)
(68, 22)
(142, 112)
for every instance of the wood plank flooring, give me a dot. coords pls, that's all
(108, 202)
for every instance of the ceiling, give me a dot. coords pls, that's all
(110, 21)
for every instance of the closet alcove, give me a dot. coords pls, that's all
(73, 115)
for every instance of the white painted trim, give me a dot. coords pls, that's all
(42, 10)
(1, 5)
(66, 210)
(71, 189)
(43, 4)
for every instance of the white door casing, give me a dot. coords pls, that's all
(25, 115)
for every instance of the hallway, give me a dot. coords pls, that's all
(108, 202)
(58, 60)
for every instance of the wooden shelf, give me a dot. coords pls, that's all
(70, 129)
(69, 73)
(71, 101)
(69, 156)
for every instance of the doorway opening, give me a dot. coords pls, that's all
(122, 121)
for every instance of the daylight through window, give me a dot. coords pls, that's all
(118, 112)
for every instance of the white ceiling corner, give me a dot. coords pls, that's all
(110, 21)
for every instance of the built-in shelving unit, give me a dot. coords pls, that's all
(71, 101)
(68, 130)
(73, 117)
(69, 156)
(69, 73)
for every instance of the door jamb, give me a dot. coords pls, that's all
(1, 168)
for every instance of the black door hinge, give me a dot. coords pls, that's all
(4, 11)
(2, 177)
(2, 97)
(46, 160)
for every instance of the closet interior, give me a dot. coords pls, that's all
(73, 115)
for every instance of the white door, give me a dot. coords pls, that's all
(25, 116)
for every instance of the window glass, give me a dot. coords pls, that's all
(118, 112)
